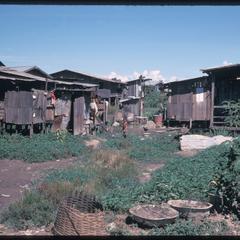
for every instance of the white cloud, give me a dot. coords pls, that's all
(117, 76)
(155, 75)
(225, 63)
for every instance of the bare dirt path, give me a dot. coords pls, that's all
(17, 175)
(146, 170)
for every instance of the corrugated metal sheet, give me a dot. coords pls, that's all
(76, 83)
(18, 107)
(39, 107)
(206, 70)
(78, 115)
(201, 109)
(133, 106)
(2, 111)
(21, 74)
(16, 78)
(57, 74)
(104, 93)
(32, 70)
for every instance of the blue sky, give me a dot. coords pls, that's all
(161, 41)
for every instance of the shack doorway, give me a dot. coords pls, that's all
(78, 115)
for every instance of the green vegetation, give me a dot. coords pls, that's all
(226, 181)
(190, 228)
(33, 210)
(233, 113)
(111, 173)
(152, 149)
(187, 178)
(41, 147)
(154, 103)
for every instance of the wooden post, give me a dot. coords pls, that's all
(46, 85)
(3, 127)
(190, 123)
(212, 101)
(31, 130)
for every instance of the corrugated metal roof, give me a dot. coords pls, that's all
(89, 75)
(75, 83)
(16, 79)
(11, 71)
(21, 68)
(143, 80)
(27, 69)
(220, 68)
(185, 80)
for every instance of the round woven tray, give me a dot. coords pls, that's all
(79, 216)
(190, 208)
(151, 215)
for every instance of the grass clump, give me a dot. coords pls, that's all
(108, 174)
(32, 210)
(41, 147)
(152, 149)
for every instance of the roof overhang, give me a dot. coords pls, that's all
(21, 76)
(87, 75)
(139, 79)
(220, 68)
(186, 80)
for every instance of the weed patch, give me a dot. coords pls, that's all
(186, 178)
(32, 210)
(190, 228)
(41, 147)
(151, 149)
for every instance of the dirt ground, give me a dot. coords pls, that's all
(17, 175)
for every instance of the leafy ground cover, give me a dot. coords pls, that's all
(41, 147)
(190, 228)
(152, 149)
(111, 174)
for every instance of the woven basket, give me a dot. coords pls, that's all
(80, 215)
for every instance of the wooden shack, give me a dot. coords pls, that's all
(22, 98)
(72, 106)
(108, 89)
(26, 101)
(225, 86)
(133, 95)
(201, 100)
(188, 100)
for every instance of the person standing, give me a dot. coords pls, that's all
(93, 109)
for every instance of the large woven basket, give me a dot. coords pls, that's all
(80, 215)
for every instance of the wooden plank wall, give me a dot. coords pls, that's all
(39, 107)
(202, 110)
(18, 107)
(180, 107)
(78, 115)
(2, 111)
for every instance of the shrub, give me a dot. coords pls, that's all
(32, 210)
(233, 113)
(226, 182)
